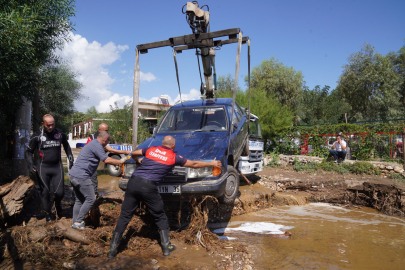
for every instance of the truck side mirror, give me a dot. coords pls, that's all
(151, 130)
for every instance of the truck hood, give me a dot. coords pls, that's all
(196, 145)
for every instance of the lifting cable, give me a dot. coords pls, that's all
(177, 75)
(249, 83)
(199, 69)
(235, 85)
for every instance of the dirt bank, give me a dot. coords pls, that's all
(140, 248)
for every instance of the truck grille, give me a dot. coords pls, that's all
(177, 175)
(255, 155)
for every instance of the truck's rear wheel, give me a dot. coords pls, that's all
(114, 170)
(231, 187)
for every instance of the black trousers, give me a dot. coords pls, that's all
(51, 180)
(139, 189)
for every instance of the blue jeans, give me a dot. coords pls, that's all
(85, 197)
(338, 154)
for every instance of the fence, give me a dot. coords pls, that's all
(361, 146)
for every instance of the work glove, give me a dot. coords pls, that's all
(125, 159)
(71, 160)
(32, 168)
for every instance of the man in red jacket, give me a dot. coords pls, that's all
(142, 186)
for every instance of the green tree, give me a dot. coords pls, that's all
(369, 83)
(92, 112)
(322, 106)
(273, 116)
(284, 83)
(398, 59)
(59, 89)
(120, 125)
(30, 31)
(225, 83)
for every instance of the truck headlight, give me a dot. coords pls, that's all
(203, 172)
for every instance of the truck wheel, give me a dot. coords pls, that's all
(231, 187)
(122, 184)
(114, 170)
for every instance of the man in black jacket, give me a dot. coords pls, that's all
(49, 165)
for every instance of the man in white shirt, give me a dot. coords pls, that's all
(338, 150)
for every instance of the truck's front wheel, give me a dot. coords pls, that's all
(114, 170)
(231, 187)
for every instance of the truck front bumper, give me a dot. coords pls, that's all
(214, 187)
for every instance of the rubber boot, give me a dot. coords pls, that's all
(167, 247)
(114, 244)
(58, 206)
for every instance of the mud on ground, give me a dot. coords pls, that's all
(23, 246)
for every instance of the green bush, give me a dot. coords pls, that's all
(362, 168)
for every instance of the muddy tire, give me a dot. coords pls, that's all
(122, 184)
(114, 170)
(231, 187)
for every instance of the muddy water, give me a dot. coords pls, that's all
(323, 237)
(108, 183)
(327, 237)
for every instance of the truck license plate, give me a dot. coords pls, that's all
(176, 189)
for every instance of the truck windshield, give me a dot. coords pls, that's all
(194, 119)
(255, 130)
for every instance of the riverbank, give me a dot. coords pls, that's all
(272, 187)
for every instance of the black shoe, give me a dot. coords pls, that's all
(167, 247)
(114, 244)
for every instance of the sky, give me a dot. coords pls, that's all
(315, 37)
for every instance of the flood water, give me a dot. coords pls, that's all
(323, 237)
(327, 237)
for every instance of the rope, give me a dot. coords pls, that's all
(177, 75)
(199, 69)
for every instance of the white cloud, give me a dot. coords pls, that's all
(123, 71)
(149, 77)
(89, 60)
(193, 95)
(104, 105)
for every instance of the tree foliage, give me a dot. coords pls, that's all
(226, 83)
(58, 90)
(30, 31)
(369, 83)
(120, 125)
(321, 106)
(273, 116)
(284, 83)
(398, 59)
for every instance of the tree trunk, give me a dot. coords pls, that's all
(14, 195)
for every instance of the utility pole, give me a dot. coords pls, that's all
(21, 139)
(135, 103)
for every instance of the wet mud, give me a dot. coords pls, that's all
(191, 221)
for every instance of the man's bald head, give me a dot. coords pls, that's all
(103, 127)
(48, 122)
(169, 141)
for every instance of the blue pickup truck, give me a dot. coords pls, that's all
(203, 130)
